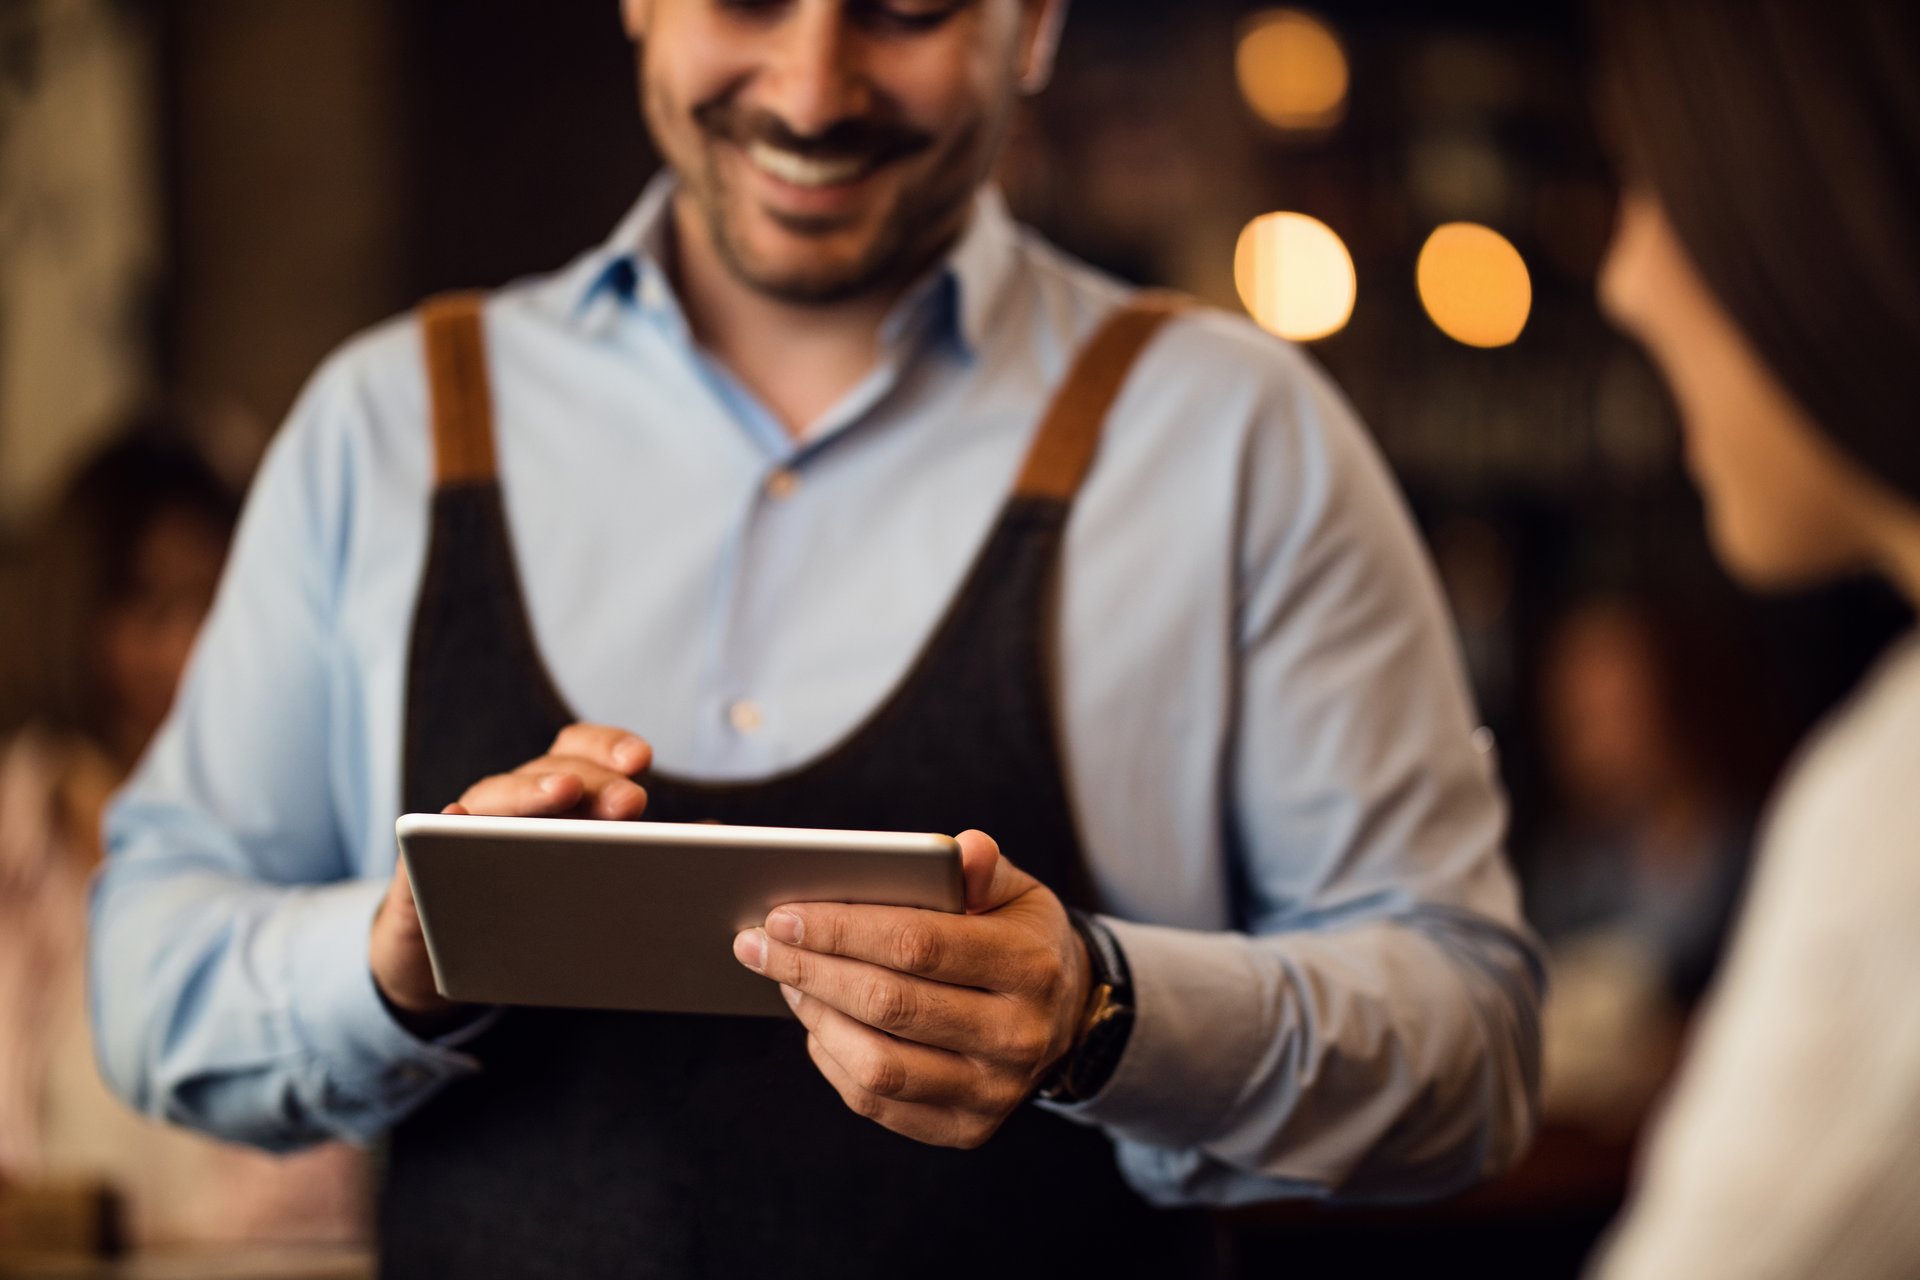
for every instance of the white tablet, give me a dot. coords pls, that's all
(639, 915)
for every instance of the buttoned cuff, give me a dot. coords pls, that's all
(1198, 1037)
(369, 1071)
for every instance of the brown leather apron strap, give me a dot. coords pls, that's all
(1063, 448)
(1061, 454)
(460, 401)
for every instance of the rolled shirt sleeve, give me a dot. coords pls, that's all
(1375, 1063)
(230, 988)
(1368, 1030)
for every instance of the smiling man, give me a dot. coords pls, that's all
(842, 186)
(822, 494)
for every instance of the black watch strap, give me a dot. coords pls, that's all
(1108, 1023)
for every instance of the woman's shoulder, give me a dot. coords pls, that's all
(1868, 756)
(1850, 810)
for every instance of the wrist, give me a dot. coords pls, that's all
(1106, 1018)
(426, 1020)
(401, 969)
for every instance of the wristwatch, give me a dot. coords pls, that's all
(1106, 1025)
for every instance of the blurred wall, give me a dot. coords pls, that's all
(283, 151)
(78, 205)
(520, 126)
(330, 164)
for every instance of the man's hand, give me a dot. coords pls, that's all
(934, 1025)
(587, 773)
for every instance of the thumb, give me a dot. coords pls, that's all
(400, 888)
(992, 881)
(400, 895)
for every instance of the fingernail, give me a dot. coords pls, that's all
(787, 927)
(750, 949)
(553, 784)
(791, 996)
(626, 753)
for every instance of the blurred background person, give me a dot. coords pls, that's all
(1768, 255)
(1655, 758)
(104, 607)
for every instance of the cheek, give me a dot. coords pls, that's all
(945, 85)
(1749, 513)
(126, 660)
(1775, 513)
(1776, 503)
(700, 66)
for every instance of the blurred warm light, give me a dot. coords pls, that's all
(1292, 70)
(1294, 275)
(1474, 284)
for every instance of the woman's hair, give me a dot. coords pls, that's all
(78, 562)
(1783, 139)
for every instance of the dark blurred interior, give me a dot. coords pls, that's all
(227, 189)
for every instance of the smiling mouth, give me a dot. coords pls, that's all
(813, 172)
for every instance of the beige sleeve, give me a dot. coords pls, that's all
(1791, 1146)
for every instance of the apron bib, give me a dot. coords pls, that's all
(596, 1144)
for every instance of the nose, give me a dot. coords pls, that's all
(814, 77)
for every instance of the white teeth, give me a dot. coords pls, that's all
(803, 171)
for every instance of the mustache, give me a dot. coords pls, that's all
(856, 138)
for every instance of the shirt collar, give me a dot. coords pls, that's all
(981, 265)
(965, 288)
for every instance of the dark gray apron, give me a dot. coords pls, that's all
(609, 1145)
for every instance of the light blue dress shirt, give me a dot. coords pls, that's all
(1269, 745)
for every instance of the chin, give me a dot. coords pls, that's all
(809, 285)
(814, 278)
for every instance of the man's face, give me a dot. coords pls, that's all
(828, 149)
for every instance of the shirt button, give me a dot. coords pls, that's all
(744, 716)
(782, 483)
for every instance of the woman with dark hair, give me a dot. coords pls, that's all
(113, 584)
(112, 589)
(1768, 255)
